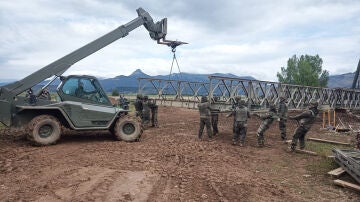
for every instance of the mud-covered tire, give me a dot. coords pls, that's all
(128, 129)
(44, 130)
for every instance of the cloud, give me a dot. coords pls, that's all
(252, 38)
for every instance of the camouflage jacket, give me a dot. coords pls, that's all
(204, 109)
(241, 114)
(146, 106)
(138, 105)
(307, 118)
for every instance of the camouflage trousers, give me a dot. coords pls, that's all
(214, 123)
(358, 141)
(205, 122)
(145, 117)
(282, 127)
(240, 131)
(154, 120)
(262, 128)
(299, 134)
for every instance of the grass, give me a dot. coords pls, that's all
(323, 149)
(324, 164)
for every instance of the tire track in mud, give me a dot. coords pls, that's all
(100, 184)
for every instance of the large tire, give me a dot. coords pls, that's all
(128, 129)
(44, 130)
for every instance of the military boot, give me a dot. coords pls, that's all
(260, 142)
(292, 147)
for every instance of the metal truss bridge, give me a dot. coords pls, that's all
(221, 91)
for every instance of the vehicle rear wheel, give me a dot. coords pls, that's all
(44, 130)
(128, 129)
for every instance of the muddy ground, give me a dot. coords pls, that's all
(168, 164)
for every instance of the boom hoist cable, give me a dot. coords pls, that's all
(173, 50)
(173, 45)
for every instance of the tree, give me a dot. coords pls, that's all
(115, 92)
(306, 70)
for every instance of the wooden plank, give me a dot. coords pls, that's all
(347, 185)
(337, 172)
(305, 152)
(328, 141)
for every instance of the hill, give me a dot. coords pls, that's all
(341, 80)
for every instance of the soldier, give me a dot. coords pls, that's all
(154, 112)
(32, 97)
(305, 121)
(268, 118)
(236, 103)
(146, 110)
(282, 113)
(205, 113)
(123, 102)
(358, 141)
(45, 94)
(241, 115)
(138, 105)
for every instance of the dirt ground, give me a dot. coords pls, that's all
(168, 164)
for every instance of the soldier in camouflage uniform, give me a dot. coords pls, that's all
(282, 113)
(241, 115)
(205, 117)
(236, 103)
(305, 121)
(268, 119)
(154, 113)
(138, 105)
(146, 110)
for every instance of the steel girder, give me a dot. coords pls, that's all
(258, 94)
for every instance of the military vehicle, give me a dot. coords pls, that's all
(83, 105)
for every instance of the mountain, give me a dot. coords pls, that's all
(124, 84)
(341, 81)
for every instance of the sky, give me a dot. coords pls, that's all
(245, 38)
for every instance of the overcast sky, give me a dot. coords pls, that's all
(246, 38)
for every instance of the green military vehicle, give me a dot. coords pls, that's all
(83, 104)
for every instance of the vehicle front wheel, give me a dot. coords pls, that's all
(44, 130)
(128, 129)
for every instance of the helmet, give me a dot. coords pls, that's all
(146, 97)
(282, 98)
(203, 99)
(313, 103)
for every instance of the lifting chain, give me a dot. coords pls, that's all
(173, 50)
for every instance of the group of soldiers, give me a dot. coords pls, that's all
(147, 110)
(241, 114)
